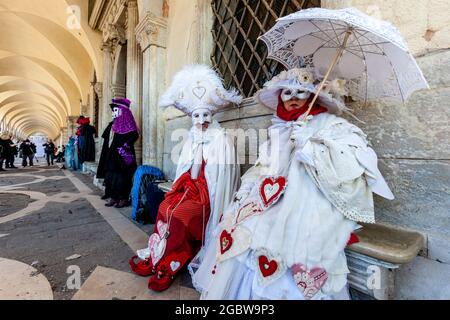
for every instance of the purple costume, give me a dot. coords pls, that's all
(121, 163)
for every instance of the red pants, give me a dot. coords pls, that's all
(186, 210)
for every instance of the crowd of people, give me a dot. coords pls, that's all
(26, 150)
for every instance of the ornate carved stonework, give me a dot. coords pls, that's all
(151, 31)
(98, 88)
(114, 34)
(118, 90)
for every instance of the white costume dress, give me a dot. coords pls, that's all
(294, 247)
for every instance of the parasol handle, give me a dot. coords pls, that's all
(335, 61)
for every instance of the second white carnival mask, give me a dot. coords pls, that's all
(201, 116)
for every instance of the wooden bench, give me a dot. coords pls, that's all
(372, 261)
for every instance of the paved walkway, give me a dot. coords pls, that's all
(53, 225)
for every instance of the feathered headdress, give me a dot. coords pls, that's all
(198, 86)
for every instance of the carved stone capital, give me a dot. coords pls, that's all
(114, 34)
(152, 30)
(107, 47)
(118, 90)
(98, 88)
(132, 4)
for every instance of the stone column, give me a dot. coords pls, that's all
(71, 125)
(98, 88)
(151, 34)
(64, 135)
(104, 109)
(134, 71)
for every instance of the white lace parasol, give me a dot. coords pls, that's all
(369, 53)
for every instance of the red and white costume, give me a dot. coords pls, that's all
(284, 238)
(207, 177)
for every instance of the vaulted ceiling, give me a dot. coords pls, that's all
(47, 60)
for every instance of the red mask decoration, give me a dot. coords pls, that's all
(293, 115)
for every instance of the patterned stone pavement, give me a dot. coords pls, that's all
(54, 226)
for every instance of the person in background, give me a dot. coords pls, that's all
(86, 144)
(33, 149)
(49, 151)
(27, 153)
(58, 155)
(63, 152)
(12, 153)
(3, 148)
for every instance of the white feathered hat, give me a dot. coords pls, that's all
(301, 78)
(198, 86)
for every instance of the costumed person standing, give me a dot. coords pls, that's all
(102, 163)
(86, 143)
(284, 235)
(206, 178)
(121, 161)
(71, 155)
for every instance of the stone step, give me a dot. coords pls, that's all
(110, 284)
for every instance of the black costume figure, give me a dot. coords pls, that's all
(102, 163)
(121, 161)
(86, 143)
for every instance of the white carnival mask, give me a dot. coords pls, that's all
(288, 93)
(201, 116)
(116, 112)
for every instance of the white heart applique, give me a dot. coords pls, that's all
(271, 190)
(199, 92)
(174, 265)
(157, 246)
(162, 228)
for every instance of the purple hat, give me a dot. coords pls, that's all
(125, 122)
(124, 102)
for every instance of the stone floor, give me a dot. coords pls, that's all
(54, 226)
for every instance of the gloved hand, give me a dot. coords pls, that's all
(126, 154)
(298, 136)
(243, 192)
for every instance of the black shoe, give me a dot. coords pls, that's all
(1, 169)
(13, 167)
(111, 203)
(122, 204)
(105, 197)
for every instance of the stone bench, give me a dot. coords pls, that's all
(91, 169)
(372, 261)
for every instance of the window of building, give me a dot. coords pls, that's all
(238, 54)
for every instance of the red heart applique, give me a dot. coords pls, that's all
(267, 267)
(225, 241)
(271, 189)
